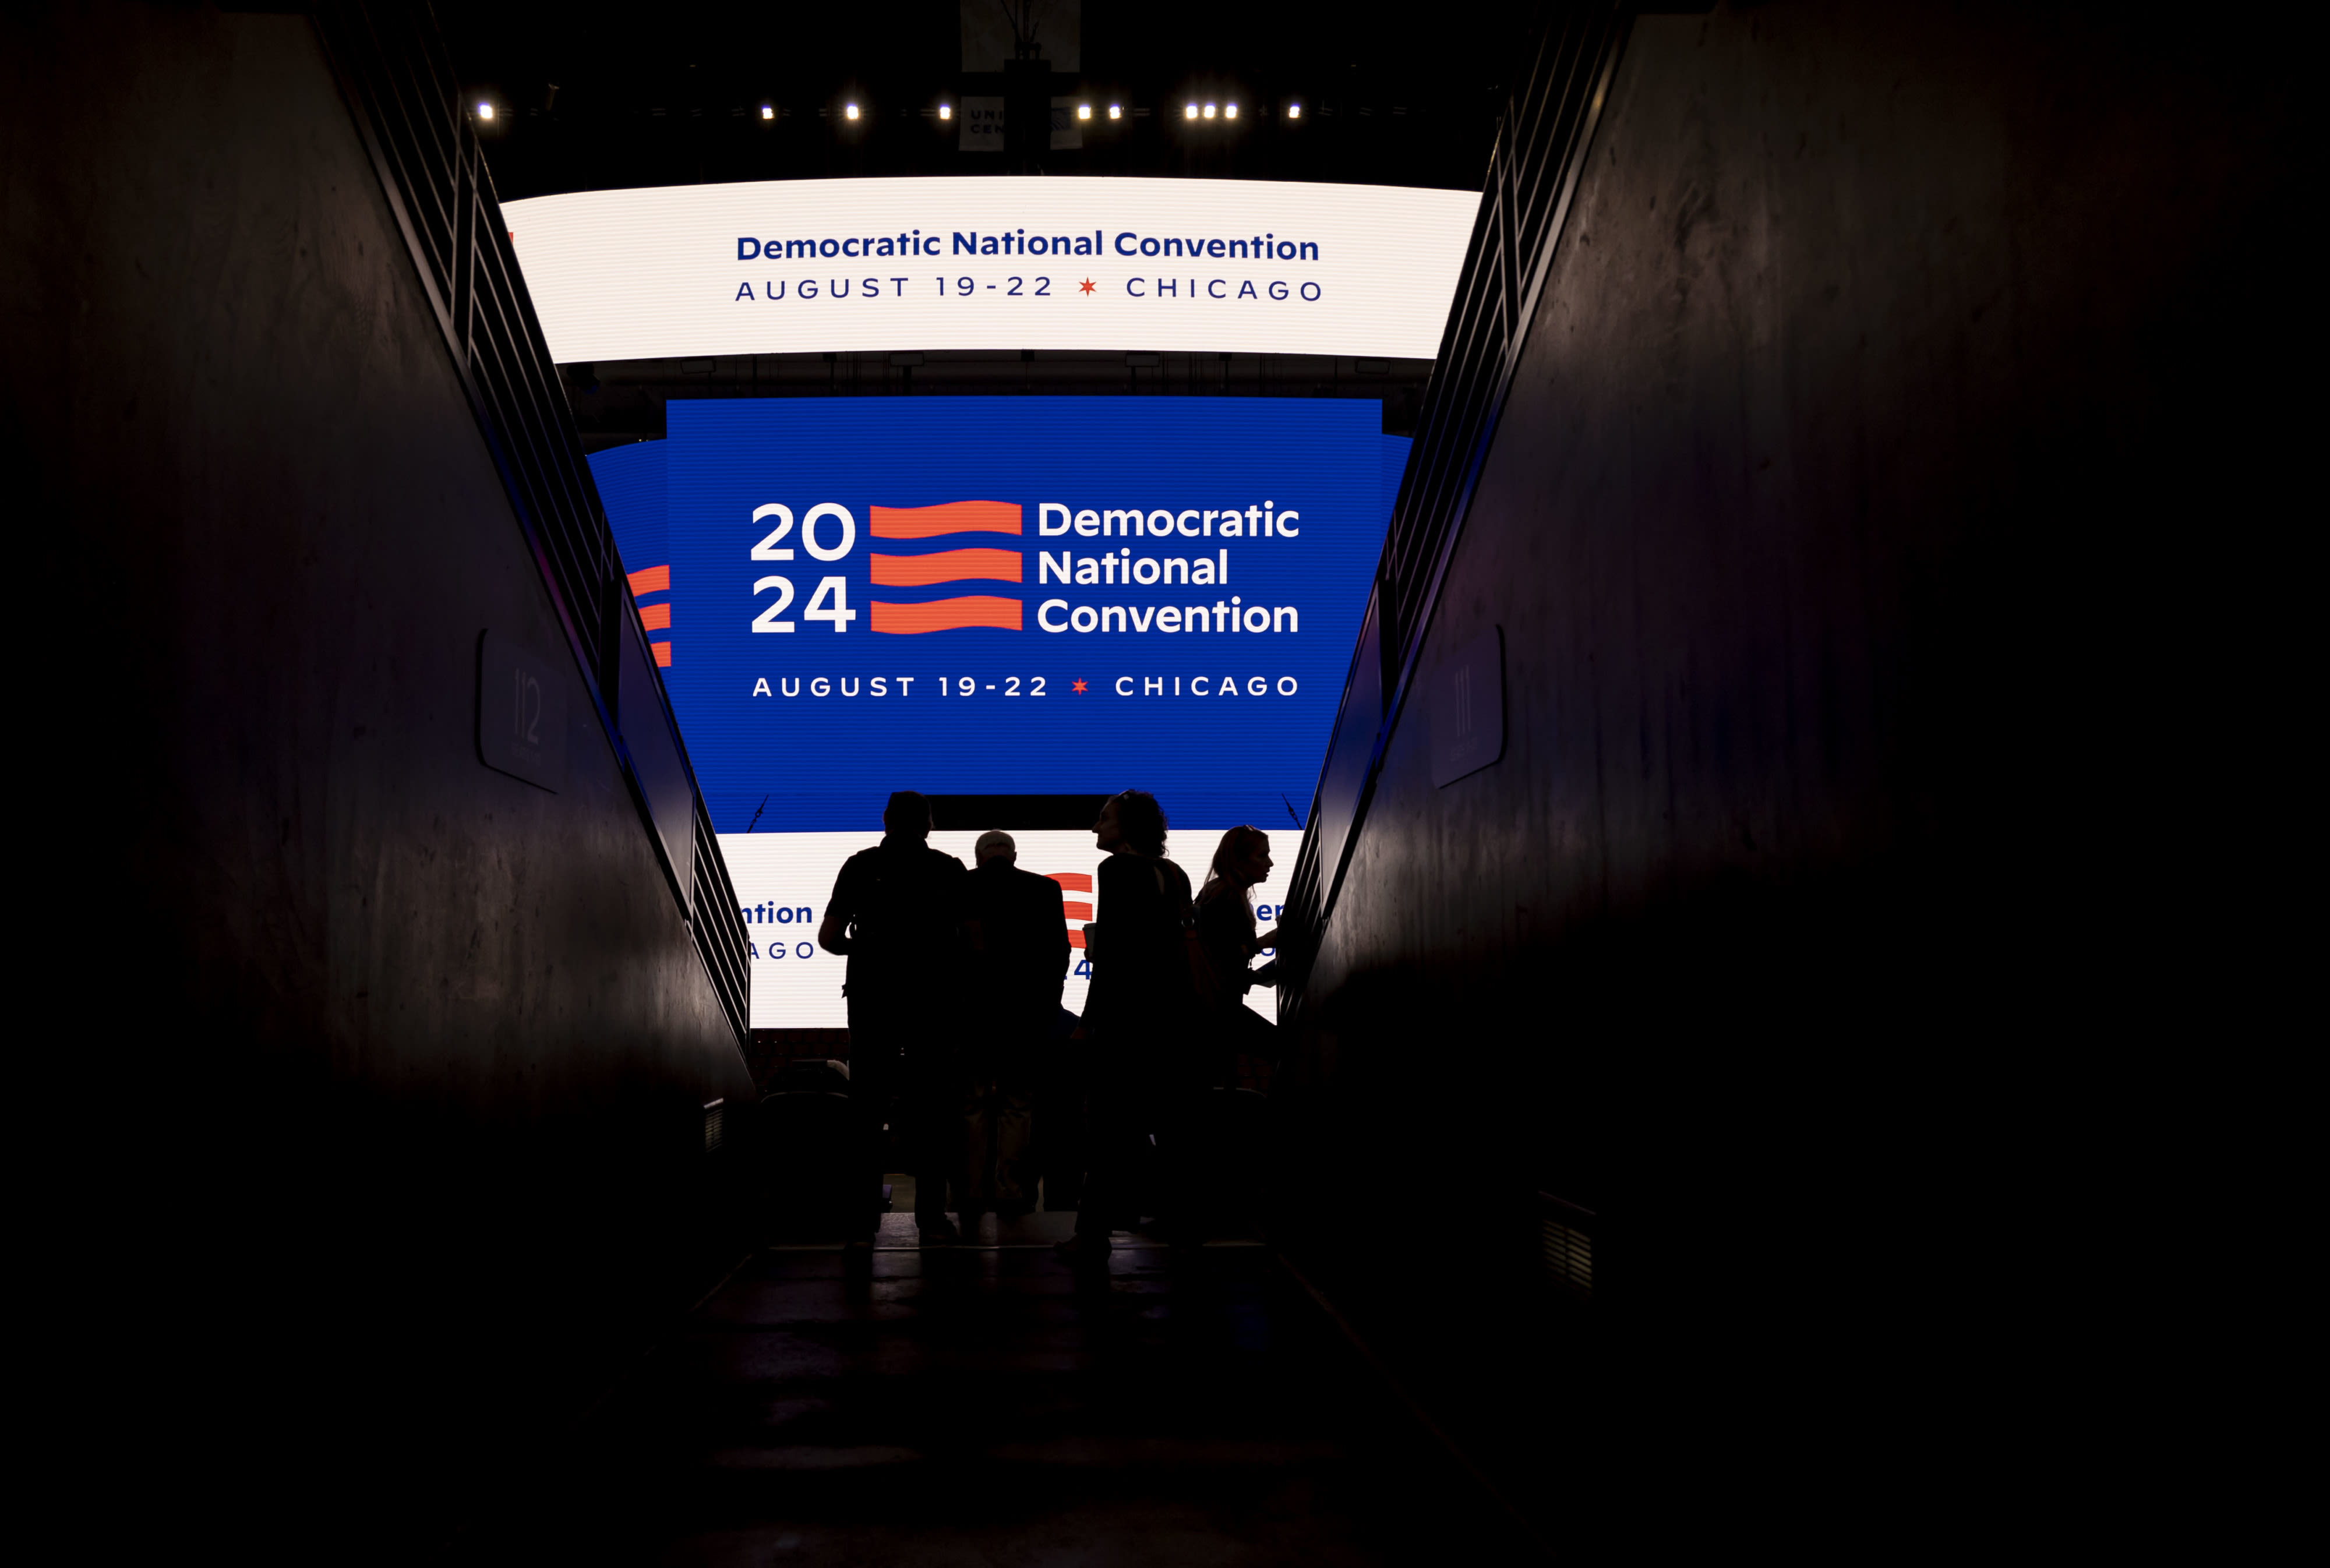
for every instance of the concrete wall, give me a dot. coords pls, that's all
(380, 1027)
(1886, 362)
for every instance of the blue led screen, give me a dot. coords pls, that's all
(1004, 596)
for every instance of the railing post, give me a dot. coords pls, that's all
(465, 237)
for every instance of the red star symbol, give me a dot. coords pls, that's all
(1086, 285)
(1076, 686)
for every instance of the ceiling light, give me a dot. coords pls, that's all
(946, 111)
(484, 111)
(768, 111)
(850, 111)
(1294, 111)
(1230, 113)
(1191, 112)
(1209, 111)
(1114, 113)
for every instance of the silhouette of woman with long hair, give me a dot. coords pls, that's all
(1226, 935)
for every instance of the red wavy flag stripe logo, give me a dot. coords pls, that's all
(1075, 882)
(649, 579)
(947, 615)
(958, 614)
(953, 517)
(945, 566)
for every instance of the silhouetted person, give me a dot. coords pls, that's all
(897, 911)
(1058, 1154)
(1227, 934)
(1018, 966)
(1139, 1013)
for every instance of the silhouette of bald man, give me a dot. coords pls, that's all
(1019, 962)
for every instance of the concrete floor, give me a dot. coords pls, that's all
(987, 1405)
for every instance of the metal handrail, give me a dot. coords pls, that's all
(1542, 140)
(398, 80)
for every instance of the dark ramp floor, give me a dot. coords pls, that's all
(987, 1405)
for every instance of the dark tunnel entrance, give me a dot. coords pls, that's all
(1728, 683)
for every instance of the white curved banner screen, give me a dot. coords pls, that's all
(851, 266)
(783, 880)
